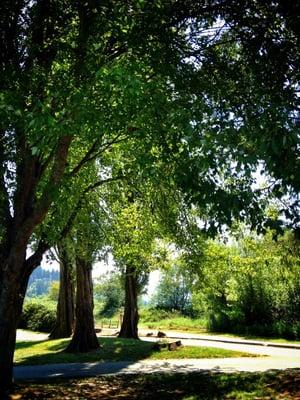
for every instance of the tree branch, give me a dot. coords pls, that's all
(102, 182)
(87, 157)
(93, 152)
(77, 208)
(35, 259)
(42, 206)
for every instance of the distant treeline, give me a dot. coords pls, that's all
(40, 280)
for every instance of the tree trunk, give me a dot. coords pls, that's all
(129, 328)
(65, 307)
(12, 292)
(84, 338)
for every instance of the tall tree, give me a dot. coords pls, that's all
(133, 242)
(87, 239)
(84, 338)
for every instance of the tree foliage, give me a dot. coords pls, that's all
(109, 293)
(81, 78)
(174, 290)
(252, 286)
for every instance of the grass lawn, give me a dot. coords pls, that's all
(196, 386)
(113, 349)
(177, 323)
(184, 324)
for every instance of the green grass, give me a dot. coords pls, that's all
(195, 386)
(189, 325)
(113, 349)
(163, 320)
(180, 324)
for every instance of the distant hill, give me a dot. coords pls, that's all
(40, 281)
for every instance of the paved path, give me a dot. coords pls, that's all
(279, 358)
(228, 365)
(224, 339)
(29, 336)
(289, 350)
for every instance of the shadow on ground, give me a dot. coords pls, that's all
(112, 349)
(269, 385)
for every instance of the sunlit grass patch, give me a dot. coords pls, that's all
(112, 349)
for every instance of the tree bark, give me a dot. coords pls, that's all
(12, 292)
(65, 307)
(129, 328)
(84, 338)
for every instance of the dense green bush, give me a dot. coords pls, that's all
(153, 318)
(251, 287)
(38, 316)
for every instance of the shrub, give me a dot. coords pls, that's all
(287, 330)
(218, 322)
(156, 315)
(37, 317)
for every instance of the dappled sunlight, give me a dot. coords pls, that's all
(58, 344)
(118, 350)
(112, 349)
(25, 344)
(168, 386)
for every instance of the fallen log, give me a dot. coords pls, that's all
(163, 345)
(159, 346)
(174, 345)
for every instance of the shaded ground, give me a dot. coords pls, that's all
(270, 385)
(112, 349)
(142, 358)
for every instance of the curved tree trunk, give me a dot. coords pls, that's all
(84, 338)
(65, 307)
(129, 328)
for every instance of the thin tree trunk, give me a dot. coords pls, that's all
(84, 338)
(65, 307)
(129, 328)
